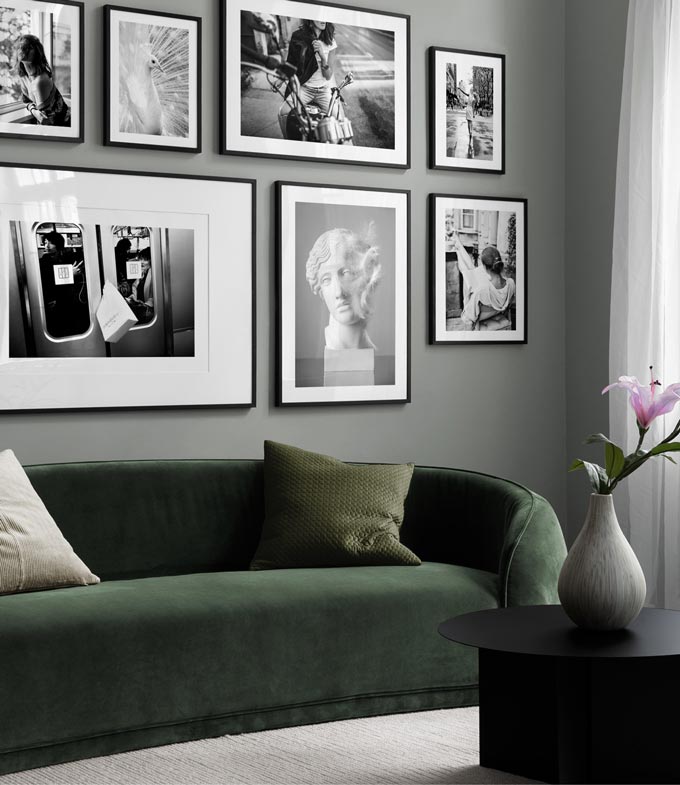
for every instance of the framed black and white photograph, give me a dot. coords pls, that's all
(41, 70)
(467, 110)
(343, 294)
(152, 79)
(125, 290)
(315, 80)
(478, 269)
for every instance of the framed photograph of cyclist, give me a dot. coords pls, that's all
(343, 259)
(125, 290)
(315, 80)
(478, 269)
(467, 110)
(41, 70)
(152, 79)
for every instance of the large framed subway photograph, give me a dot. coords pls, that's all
(41, 70)
(125, 290)
(467, 110)
(478, 269)
(343, 294)
(152, 79)
(315, 80)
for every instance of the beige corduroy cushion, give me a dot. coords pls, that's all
(33, 552)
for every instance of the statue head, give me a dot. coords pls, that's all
(344, 269)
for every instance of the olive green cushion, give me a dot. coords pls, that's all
(321, 512)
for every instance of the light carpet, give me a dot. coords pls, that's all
(437, 747)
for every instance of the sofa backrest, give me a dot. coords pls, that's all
(130, 519)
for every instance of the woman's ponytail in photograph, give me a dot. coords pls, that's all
(492, 259)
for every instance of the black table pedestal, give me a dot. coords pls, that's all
(580, 719)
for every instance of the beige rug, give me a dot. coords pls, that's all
(424, 748)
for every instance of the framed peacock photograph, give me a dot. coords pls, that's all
(152, 79)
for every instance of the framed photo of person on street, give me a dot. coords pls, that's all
(343, 295)
(478, 269)
(467, 110)
(315, 80)
(41, 70)
(152, 79)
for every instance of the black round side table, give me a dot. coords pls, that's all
(562, 704)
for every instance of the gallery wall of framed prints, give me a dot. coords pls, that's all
(120, 293)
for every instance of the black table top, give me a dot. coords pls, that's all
(547, 630)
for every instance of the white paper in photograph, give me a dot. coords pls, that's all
(41, 70)
(478, 270)
(343, 295)
(153, 79)
(315, 80)
(467, 110)
(65, 236)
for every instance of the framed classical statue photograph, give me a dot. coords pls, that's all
(343, 258)
(467, 110)
(315, 80)
(41, 70)
(152, 79)
(125, 290)
(478, 269)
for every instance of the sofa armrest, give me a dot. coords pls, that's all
(532, 555)
(487, 523)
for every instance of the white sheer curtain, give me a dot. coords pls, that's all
(645, 300)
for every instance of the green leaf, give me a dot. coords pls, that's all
(668, 458)
(596, 474)
(615, 460)
(597, 437)
(668, 447)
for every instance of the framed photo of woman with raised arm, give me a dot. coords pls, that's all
(41, 70)
(343, 294)
(478, 269)
(152, 79)
(315, 80)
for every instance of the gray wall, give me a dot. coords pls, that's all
(491, 408)
(595, 48)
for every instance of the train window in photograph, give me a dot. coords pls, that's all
(63, 279)
(134, 272)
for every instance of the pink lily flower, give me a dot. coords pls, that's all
(646, 403)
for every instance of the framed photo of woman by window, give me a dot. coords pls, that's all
(467, 110)
(343, 294)
(315, 80)
(41, 70)
(152, 79)
(478, 269)
(125, 290)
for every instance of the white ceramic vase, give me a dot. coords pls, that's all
(601, 584)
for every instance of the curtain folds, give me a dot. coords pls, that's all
(645, 297)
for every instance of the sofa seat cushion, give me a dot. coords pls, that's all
(156, 651)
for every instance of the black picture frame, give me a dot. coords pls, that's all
(114, 138)
(289, 149)
(445, 326)
(399, 392)
(221, 369)
(439, 108)
(79, 133)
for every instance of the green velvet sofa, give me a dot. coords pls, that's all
(181, 641)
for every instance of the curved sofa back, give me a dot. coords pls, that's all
(130, 519)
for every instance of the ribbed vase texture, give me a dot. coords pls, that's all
(601, 585)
